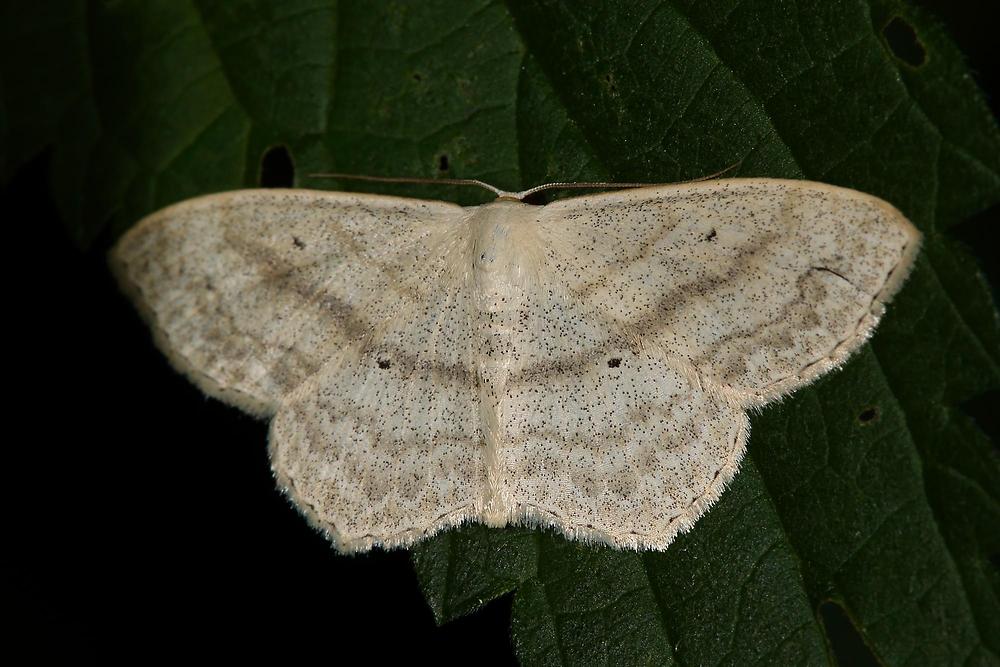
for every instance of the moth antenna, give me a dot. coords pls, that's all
(614, 184)
(503, 194)
(735, 165)
(415, 179)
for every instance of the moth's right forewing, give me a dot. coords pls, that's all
(250, 292)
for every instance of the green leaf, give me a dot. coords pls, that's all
(870, 489)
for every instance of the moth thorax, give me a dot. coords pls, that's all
(505, 253)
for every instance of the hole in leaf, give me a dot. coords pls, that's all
(846, 643)
(443, 162)
(904, 43)
(276, 168)
(610, 80)
(384, 363)
(868, 415)
(982, 409)
(614, 363)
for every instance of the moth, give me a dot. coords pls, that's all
(586, 365)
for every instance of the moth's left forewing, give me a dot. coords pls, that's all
(758, 286)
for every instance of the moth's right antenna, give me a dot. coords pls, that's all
(415, 179)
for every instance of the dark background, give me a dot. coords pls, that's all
(144, 514)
